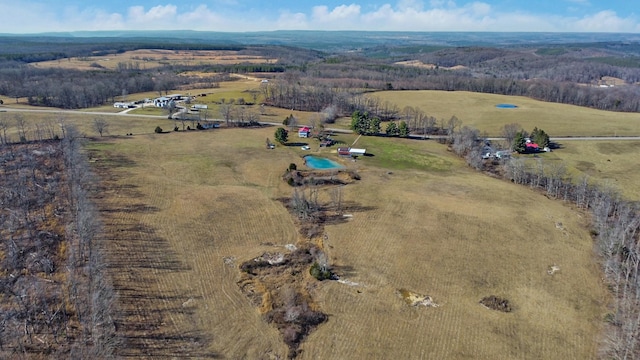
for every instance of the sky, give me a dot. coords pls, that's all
(35, 16)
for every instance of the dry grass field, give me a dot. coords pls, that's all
(479, 111)
(610, 163)
(183, 210)
(117, 125)
(149, 58)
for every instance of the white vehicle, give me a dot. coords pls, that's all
(503, 154)
(306, 147)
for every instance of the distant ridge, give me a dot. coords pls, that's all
(330, 39)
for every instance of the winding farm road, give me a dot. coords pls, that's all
(336, 130)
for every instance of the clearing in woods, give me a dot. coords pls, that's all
(183, 211)
(153, 58)
(479, 111)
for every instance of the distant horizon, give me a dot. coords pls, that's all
(243, 16)
(328, 31)
(339, 39)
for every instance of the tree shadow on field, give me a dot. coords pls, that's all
(105, 158)
(296, 144)
(555, 145)
(344, 270)
(132, 208)
(155, 321)
(348, 209)
(352, 206)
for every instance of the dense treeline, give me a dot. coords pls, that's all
(554, 79)
(73, 89)
(29, 49)
(246, 68)
(56, 301)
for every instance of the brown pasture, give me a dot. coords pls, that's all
(150, 58)
(614, 164)
(183, 210)
(479, 111)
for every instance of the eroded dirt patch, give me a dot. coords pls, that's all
(415, 299)
(496, 303)
(278, 284)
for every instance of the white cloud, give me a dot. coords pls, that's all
(339, 13)
(156, 16)
(605, 21)
(407, 15)
(416, 5)
(291, 21)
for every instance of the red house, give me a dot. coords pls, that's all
(533, 147)
(304, 132)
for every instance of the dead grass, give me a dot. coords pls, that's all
(610, 163)
(479, 110)
(149, 58)
(207, 197)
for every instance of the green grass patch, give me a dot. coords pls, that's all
(551, 51)
(150, 110)
(630, 61)
(403, 154)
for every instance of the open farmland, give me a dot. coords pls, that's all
(479, 111)
(183, 210)
(153, 58)
(611, 163)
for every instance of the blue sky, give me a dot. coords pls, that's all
(33, 16)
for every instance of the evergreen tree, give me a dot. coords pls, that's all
(392, 129)
(374, 126)
(519, 143)
(540, 137)
(281, 135)
(360, 122)
(403, 129)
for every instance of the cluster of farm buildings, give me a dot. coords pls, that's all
(161, 102)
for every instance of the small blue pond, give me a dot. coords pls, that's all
(506, 106)
(320, 163)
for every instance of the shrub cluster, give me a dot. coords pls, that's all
(320, 272)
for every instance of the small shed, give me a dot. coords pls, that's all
(343, 151)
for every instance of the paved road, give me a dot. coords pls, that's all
(335, 130)
(60, 111)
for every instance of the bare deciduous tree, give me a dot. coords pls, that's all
(101, 126)
(22, 126)
(226, 110)
(509, 132)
